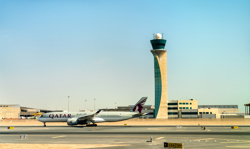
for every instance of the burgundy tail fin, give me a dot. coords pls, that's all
(139, 105)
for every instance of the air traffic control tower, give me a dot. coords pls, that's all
(160, 67)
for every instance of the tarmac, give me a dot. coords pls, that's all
(141, 122)
(193, 137)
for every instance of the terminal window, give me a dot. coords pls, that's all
(172, 108)
(172, 103)
(210, 112)
(172, 113)
(186, 107)
(200, 112)
(190, 107)
(180, 107)
(189, 113)
(186, 103)
(206, 112)
(190, 103)
(180, 103)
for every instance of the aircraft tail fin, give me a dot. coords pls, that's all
(139, 105)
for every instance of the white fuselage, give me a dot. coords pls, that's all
(101, 117)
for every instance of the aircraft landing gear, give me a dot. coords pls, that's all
(92, 125)
(44, 124)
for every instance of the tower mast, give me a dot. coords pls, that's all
(160, 71)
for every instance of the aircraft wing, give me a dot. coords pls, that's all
(139, 114)
(88, 117)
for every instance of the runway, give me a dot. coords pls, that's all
(128, 136)
(126, 130)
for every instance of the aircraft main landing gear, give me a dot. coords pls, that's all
(92, 125)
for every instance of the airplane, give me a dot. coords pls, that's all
(75, 118)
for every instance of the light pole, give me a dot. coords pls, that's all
(94, 104)
(115, 105)
(68, 103)
(85, 103)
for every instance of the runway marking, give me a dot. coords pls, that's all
(245, 140)
(41, 146)
(35, 128)
(157, 128)
(204, 139)
(159, 138)
(239, 146)
(233, 142)
(58, 137)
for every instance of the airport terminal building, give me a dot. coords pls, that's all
(15, 111)
(191, 109)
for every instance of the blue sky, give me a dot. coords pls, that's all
(101, 49)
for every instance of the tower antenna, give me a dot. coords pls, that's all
(154, 35)
(162, 33)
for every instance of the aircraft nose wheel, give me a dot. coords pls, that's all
(44, 124)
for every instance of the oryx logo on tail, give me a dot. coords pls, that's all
(139, 105)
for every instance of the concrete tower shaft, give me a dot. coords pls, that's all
(160, 69)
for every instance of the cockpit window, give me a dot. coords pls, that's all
(42, 116)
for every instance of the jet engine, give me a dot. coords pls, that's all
(72, 121)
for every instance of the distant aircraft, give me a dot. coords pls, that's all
(75, 118)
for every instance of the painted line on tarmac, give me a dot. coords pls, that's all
(236, 142)
(206, 139)
(134, 132)
(239, 146)
(58, 137)
(159, 138)
(35, 129)
(233, 142)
